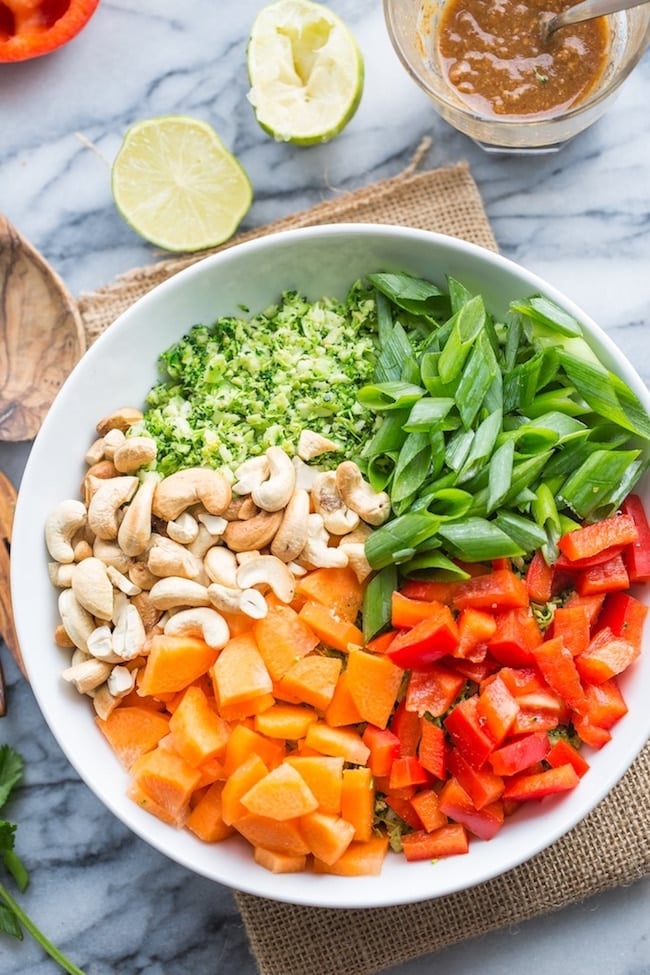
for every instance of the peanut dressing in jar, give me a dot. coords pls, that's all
(492, 53)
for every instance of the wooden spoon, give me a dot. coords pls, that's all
(7, 627)
(41, 336)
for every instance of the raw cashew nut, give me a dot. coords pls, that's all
(100, 645)
(129, 635)
(178, 491)
(112, 442)
(88, 674)
(61, 574)
(167, 558)
(100, 471)
(337, 517)
(254, 533)
(312, 444)
(251, 474)
(267, 571)
(275, 492)
(122, 419)
(174, 592)
(121, 681)
(60, 528)
(134, 453)
(77, 621)
(93, 588)
(317, 553)
(289, 540)
(134, 531)
(372, 506)
(185, 529)
(201, 621)
(230, 599)
(110, 553)
(220, 565)
(107, 501)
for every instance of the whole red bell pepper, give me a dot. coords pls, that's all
(30, 28)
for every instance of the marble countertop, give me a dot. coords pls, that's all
(580, 218)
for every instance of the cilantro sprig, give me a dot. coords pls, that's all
(12, 917)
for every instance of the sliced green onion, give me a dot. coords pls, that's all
(545, 312)
(607, 394)
(593, 484)
(393, 541)
(377, 600)
(478, 540)
(500, 475)
(393, 395)
(468, 322)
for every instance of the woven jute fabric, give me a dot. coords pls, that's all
(611, 847)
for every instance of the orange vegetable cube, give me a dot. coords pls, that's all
(344, 742)
(373, 682)
(278, 862)
(358, 801)
(166, 778)
(280, 835)
(337, 588)
(244, 742)
(238, 783)
(286, 721)
(239, 673)
(282, 638)
(342, 709)
(133, 731)
(281, 794)
(198, 732)
(206, 817)
(332, 630)
(173, 663)
(361, 859)
(324, 776)
(328, 836)
(311, 680)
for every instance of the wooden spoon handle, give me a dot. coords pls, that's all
(7, 627)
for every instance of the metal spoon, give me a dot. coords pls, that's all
(587, 10)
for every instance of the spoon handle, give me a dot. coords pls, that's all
(593, 8)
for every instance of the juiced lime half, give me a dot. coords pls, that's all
(177, 185)
(306, 71)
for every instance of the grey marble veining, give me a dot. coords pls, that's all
(580, 218)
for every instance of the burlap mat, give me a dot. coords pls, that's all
(611, 847)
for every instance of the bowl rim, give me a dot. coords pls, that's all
(317, 891)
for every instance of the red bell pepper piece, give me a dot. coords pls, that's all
(403, 806)
(384, 748)
(591, 734)
(379, 644)
(497, 707)
(637, 554)
(536, 785)
(457, 805)
(501, 589)
(468, 733)
(604, 703)
(539, 579)
(592, 604)
(606, 656)
(406, 611)
(433, 690)
(572, 624)
(529, 721)
(624, 615)
(474, 670)
(432, 749)
(594, 538)
(520, 753)
(516, 636)
(427, 641)
(426, 804)
(610, 576)
(406, 725)
(565, 564)
(406, 771)
(560, 672)
(449, 840)
(482, 785)
(563, 753)
(31, 30)
(475, 627)
(429, 590)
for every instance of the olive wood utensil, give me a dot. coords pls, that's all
(41, 335)
(7, 627)
(587, 10)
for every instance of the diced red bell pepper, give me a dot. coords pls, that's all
(539, 579)
(610, 576)
(475, 627)
(432, 749)
(458, 806)
(483, 786)
(403, 806)
(379, 644)
(528, 721)
(502, 589)
(624, 615)
(594, 538)
(433, 690)
(427, 641)
(468, 733)
(604, 703)
(406, 771)
(563, 753)
(573, 625)
(406, 725)
(523, 680)
(406, 611)
(384, 748)
(637, 554)
(559, 670)
(606, 656)
(537, 785)
(564, 563)
(591, 734)
(426, 804)
(449, 840)
(516, 636)
(520, 754)
(498, 708)
(474, 670)
(592, 604)
(429, 590)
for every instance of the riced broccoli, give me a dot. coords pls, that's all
(230, 390)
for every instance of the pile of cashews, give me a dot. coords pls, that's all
(139, 554)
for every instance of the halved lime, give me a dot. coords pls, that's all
(306, 72)
(176, 184)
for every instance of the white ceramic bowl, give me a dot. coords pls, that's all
(119, 370)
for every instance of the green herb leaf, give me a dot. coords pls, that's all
(11, 771)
